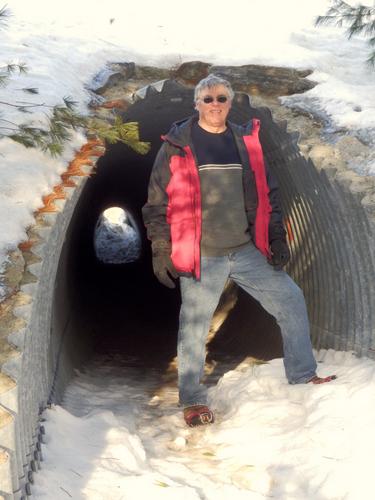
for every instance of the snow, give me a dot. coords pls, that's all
(119, 434)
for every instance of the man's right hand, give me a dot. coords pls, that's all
(163, 267)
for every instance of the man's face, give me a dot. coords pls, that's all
(213, 115)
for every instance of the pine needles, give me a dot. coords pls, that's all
(359, 20)
(50, 138)
(127, 133)
(60, 120)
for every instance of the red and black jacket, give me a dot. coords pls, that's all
(173, 214)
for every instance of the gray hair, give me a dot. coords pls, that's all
(212, 81)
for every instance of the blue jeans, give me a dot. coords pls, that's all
(274, 290)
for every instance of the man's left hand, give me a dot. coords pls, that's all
(280, 254)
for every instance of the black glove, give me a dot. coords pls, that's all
(280, 254)
(162, 264)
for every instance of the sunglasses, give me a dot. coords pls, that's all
(221, 98)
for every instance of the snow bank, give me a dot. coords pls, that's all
(117, 438)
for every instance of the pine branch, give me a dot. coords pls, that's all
(22, 68)
(22, 106)
(53, 148)
(9, 104)
(3, 80)
(68, 117)
(127, 133)
(25, 109)
(4, 14)
(69, 102)
(50, 138)
(6, 71)
(358, 20)
(7, 121)
(22, 139)
(13, 67)
(6, 128)
(9, 68)
(60, 122)
(58, 131)
(30, 90)
(103, 130)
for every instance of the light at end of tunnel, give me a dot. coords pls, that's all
(117, 239)
(115, 215)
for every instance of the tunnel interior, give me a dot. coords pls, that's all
(122, 308)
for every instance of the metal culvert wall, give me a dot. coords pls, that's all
(34, 353)
(330, 218)
(331, 235)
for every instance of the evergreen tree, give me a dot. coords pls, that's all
(358, 20)
(61, 118)
(7, 70)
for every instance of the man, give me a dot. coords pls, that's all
(213, 214)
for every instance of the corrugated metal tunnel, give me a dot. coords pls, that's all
(122, 307)
(79, 305)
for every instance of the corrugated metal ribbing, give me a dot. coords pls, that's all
(331, 243)
(359, 244)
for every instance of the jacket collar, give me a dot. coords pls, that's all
(180, 132)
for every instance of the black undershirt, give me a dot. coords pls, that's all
(224, 222)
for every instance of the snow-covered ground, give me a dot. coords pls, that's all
(119, 434)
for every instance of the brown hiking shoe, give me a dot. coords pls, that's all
(198, 415)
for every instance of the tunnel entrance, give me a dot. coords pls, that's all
(72, 305)
(122, 307)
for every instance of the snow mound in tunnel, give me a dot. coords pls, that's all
(116, 238)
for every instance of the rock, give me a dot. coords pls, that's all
(105, 80)
(111, 76)
(268, 80)
(192, 72)
(121, 104)
(12, 274)
(152, 73)
(127, 69)
(304, 72)
(350, 147)
(323, 155)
